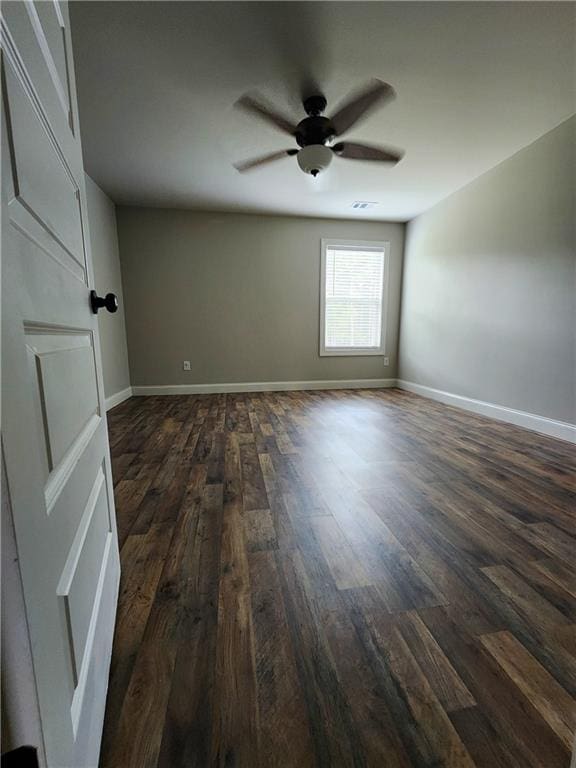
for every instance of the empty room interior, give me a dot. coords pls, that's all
(288, 384)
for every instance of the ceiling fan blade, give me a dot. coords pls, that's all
(265, 112)
(353, 151)
(360, 104)
(255, 162)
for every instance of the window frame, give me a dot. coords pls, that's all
(327, 243)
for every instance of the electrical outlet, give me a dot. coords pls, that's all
(186, 365)
(386, 361)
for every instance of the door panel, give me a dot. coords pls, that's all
(66, 377)
(48, 24)
(42, 182)
(54, 434)
(26, 34)
(79, 578)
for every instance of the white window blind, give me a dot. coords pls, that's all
(352, 298)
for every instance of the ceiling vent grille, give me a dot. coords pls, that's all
(363, 204)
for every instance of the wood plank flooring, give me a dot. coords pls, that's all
(351, 578)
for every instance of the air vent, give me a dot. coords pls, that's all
(363, 204)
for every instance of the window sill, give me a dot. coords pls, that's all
(353, 352)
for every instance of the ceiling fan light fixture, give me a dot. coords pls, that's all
(314, 158)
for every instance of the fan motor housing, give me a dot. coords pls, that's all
(314, 130)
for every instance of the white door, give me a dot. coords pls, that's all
(54, 427)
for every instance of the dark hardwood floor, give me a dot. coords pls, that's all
(340, 579)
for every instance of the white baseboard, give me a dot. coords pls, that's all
(262, 386)
(118, 398)
(559, 429)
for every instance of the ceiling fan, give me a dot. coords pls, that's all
(315, 133)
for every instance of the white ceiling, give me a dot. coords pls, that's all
(476, 82)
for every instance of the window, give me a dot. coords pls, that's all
(353, 289)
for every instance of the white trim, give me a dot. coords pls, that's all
(118, 398)
(560, 429)
(375, 245)
(263, 386)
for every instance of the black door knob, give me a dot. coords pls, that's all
(109, 301)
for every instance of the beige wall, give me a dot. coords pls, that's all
(489, 288)
(108, 279)
(238, 295)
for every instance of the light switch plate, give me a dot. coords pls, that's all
(386, 361)
(186, 365)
